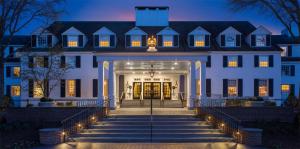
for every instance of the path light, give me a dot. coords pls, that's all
(209, 118)
(93, 118)
(79, 125)
(222, 124)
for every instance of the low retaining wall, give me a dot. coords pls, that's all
(51, 136)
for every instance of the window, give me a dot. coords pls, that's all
(37, 89)
(136, 41)
(16, 71)
(263, 88)
(71, 88)
(71, 61)
(168, 41)
(199, 41)
(39, 61)
(263, 61)
(104, 41)
(285, 88)
(15, 90)
(284, 51)
(232, 61)
(230, 40)
(232, 88)
(72, 41)
(42, 41)
(260, 40)
(288, 70)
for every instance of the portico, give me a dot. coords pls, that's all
(128, 76)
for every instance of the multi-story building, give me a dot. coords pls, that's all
(172, 59)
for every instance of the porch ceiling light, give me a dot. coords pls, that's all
(176, 63)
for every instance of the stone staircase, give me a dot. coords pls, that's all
(165, 128)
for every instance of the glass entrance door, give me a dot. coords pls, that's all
(137, 90)
(152, 86)
(167, 90)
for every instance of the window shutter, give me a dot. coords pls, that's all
(128, 40)
(62, 62)
(225, 87)
(292, 70)
(95, 87)
(292, 88)
(240, 87)
(208, 87)
(65, 41)
(62, 88)
(256, 59)
(33, 41)
(95, 64)
(225, 61)
(96, 40)
(191, 40)
(78, 62)
(144, 41)
(238, 40)
(256, 87)
(112, 40)
(207, 40)
(289, 51)
(222, 40)
(240, 61)
(8, 71)
(268, 40)
(208, 63)
(30, 88)
(46, 62)
(8, 90)
(159, 40)
(253, 40)
(80, 40)
(49, 40)
(11, 51)
(78, 88)
(30, 62)
(46, 87)
(271, 87)
(271, 60)
(175, 40)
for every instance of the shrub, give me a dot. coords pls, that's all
(60, 104)
(69, 103)
(292, 101)
(29, 105)
(6, 102)
(270, 104)
(45, 99)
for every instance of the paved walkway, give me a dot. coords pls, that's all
(149, 146)
(156, 111)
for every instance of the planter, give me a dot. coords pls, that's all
(47, 104)
(253, 104)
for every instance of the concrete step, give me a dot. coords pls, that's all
(154, 126)
(147, 130)
(154, 139)
(181, 123)
(154, 119)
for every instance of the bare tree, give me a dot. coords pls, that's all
(287, 12)
(16, 15)
(44, 73)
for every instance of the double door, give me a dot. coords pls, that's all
(155, 87)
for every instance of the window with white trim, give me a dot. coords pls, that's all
(199, 41)
(136, 40)
(286, 70)
(260, 40)
(37, 89)
(39, 61)
(232, 61)
(285, 88)
(168, 41)
(263, 61)
(232, 88)
(42, 41)
(230, 40)
(15, 90)
(71, 61)
(72, 41)
(263, 88)
(16, 71)
(71, 88)
(104, 41)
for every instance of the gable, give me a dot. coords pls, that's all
(262, 31)
(230, 30)
(199, 31)
(136, 31)
(104, 31)
(72, 31)
(167, 31)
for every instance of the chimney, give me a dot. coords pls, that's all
(152, 16)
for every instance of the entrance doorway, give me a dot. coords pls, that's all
(154, 87)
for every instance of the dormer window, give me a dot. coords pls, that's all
(168, 41)
(260, 40)
(199, 38)
(42, 41)
(261, 37)
(104, 41)
(104, 38)
(230, 40)
(199, 41)
(73, 41)
(136, 41)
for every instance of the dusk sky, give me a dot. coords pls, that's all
(183, 10)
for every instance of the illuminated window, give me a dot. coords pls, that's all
(260, 40)
(263, 88)
(71, 88)
(232, 88)
(39, 61)
(15, 90)
(230, 40)
(37, 89)
(263, 61)
(104, 41)
(72, 41)
(232, 61)
(199, 41)
(16, 71)
(42, 41)
(168, 41)
(285, 88)
(136, 41)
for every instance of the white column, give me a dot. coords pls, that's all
(203, 82)
(100, 82)
(111, 88)
(190, 101)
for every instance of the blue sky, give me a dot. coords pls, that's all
(184, 10)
